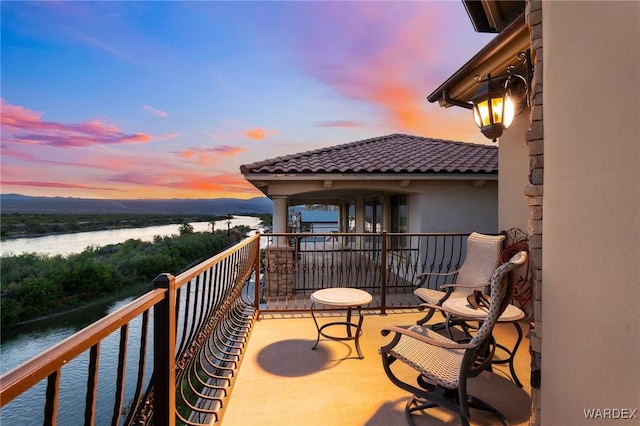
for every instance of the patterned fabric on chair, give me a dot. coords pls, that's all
(443, 364)
(481, 260)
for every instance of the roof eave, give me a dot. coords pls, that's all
(264, 178)
(493, 58)
(492, 16)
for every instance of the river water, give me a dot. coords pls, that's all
(28, 408)
(20, 345)
(66, 244)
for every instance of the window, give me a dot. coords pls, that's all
(373, 215)
(350, 226)
(399, 221)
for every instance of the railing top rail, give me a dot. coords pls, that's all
(33, 371)
(359, 234)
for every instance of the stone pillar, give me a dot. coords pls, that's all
(534, 193)
(280, 266)
(279, 259)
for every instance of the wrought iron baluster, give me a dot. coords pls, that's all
(120, 378)
(142, 362)
(51, 405)
(92, 380)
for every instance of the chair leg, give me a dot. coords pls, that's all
(427, 317)
(416, 404)
(445, 398)
(479, 404)
(431, 311)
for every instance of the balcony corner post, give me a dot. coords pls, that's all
(383, 275)
(256, 267)
(164, 349)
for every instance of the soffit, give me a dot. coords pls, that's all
(491, 16)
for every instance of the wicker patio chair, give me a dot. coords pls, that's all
(481, 259)
(445, 365)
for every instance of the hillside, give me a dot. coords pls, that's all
(16, 203)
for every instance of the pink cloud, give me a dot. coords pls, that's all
(258, 133)
(116, 169)
(44, 184)
(131, 176)
(23, 126)
(345, 124)
(187, 180)
(229, 150)
(393, 67)
(206, 156)
(100, 161)
(13, 115)
(225, 181)
(155, 111)
(217, 150)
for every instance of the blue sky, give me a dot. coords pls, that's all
(151, 99)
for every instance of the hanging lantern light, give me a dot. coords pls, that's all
(493, 107)
(500, 99)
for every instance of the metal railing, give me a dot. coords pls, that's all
(200, 321)
(384, 264)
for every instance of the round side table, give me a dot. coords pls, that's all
(340, 297)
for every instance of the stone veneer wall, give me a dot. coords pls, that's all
(535, 139)
(280, 266)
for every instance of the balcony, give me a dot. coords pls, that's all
(213, 346)
(283, 382)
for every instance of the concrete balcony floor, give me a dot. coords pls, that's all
(283, 382)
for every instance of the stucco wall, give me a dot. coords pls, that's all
(434, 205)
(513, 158)
(457, 206)
(591, 224)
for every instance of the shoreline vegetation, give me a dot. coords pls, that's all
(34, 287)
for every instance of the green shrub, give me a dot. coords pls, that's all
(9, 311)
(38, 291)
(33, 285)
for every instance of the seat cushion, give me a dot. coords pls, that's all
(438, 365)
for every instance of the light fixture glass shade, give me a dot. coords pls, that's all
(509, 112)
(502, 111)
(493, 109)
(481, 113)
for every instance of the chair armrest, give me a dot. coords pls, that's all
(465, 285)
(424, 339)
(437, 274)
(437, 307)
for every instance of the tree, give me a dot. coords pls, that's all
(186, 228)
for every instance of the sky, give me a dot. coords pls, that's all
(166, 99)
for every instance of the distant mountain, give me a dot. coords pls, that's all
(16, 203)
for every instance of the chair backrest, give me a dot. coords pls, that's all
(481, 260)
(499, 292)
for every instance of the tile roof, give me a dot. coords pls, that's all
(395, 153)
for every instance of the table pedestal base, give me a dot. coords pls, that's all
(355, 336)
